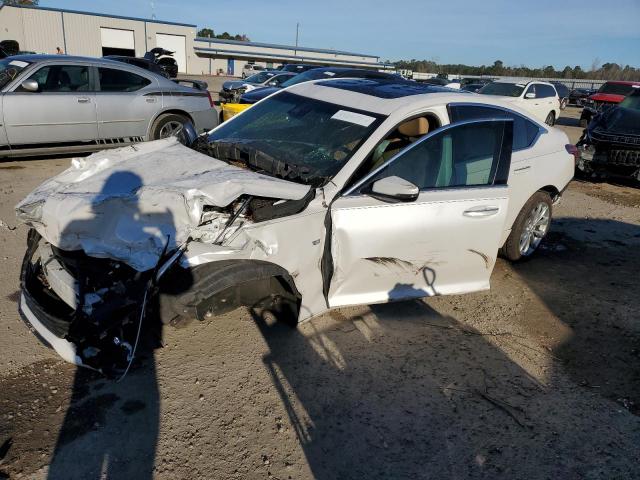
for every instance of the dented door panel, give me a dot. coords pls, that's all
(444, 243)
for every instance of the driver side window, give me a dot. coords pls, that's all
(466, 155)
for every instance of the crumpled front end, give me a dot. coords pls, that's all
(609, 151)
(107, 236)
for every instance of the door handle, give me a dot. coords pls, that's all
(83, 100)
(485, 211)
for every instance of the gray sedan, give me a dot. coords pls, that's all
(64, 104)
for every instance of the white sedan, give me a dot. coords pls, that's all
(330, 193)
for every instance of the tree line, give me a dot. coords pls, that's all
(605, 71)
(209, 33)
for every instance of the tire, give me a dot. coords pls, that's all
(166, 124)
(517, 247)
(551, 119)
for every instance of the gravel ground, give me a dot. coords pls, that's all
(538, 378)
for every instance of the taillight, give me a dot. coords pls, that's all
(573, 150)
(211, 104)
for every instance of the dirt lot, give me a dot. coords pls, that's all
(538, 378)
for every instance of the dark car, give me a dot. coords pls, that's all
(434, 81)
(577, 96)
(608, 95)
(316, 74)
(563, 94)
(297, 67)
(611, 143)
(139, 62)
(232, 89)
(472, 87)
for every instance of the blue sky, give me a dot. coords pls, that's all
(559, 32)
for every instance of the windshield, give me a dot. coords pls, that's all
(260, 77)
(616, 89)
(315, 74)
(294, 137)
(10, 69)
(632, 102)
(502, 89)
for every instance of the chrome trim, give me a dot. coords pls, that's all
(541, 129)
(415, 144)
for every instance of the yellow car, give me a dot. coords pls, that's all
(231, 109)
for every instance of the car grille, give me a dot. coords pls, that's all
(629, 158)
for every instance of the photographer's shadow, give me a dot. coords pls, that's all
(110, 430)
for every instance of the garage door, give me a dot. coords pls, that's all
(177, 44)
(116, 41)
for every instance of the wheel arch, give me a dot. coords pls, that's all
(552, 190)
(168, 111)
(215, 288)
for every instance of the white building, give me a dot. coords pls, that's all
(43, 29)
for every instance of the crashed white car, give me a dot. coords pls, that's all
(332, 193)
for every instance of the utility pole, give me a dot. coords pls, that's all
(297, 32)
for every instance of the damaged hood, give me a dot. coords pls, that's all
(126, 204)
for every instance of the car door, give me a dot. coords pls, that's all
(62, 110)
(126, 103)
(444, 241)
(536, 105)
(525, 134)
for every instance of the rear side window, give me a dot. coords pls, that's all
(545, 91)
(524, 131)
(62, 78)
(113, 80)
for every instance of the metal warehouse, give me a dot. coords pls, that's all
(43, 29)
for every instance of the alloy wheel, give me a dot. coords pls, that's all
(169, 129)
(535, 228)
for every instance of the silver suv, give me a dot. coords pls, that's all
(64, 104)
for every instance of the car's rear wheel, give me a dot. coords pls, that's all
(167, 125)
(530, 227)
(563, 103)
(551, 119)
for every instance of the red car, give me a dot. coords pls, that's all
(608, 95)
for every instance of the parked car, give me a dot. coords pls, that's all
(482, 81)
(607, 96)
(232, 89)
(318, 197)
(297, 67)
(144, 63)
(434, 81)
(251, 69)
(454, 84)
(254, 96)
(563, 94)
(611, 143)
(540, 99)
(577, 96)
(472, 87)
(64, 104)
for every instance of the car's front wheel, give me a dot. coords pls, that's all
(551, 119)
(530, 227)
(167, 125)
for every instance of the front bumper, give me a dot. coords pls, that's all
(64, 348)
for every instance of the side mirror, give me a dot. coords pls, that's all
(394, 189)
(187, 134)
(30, 86)
(529, 95)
